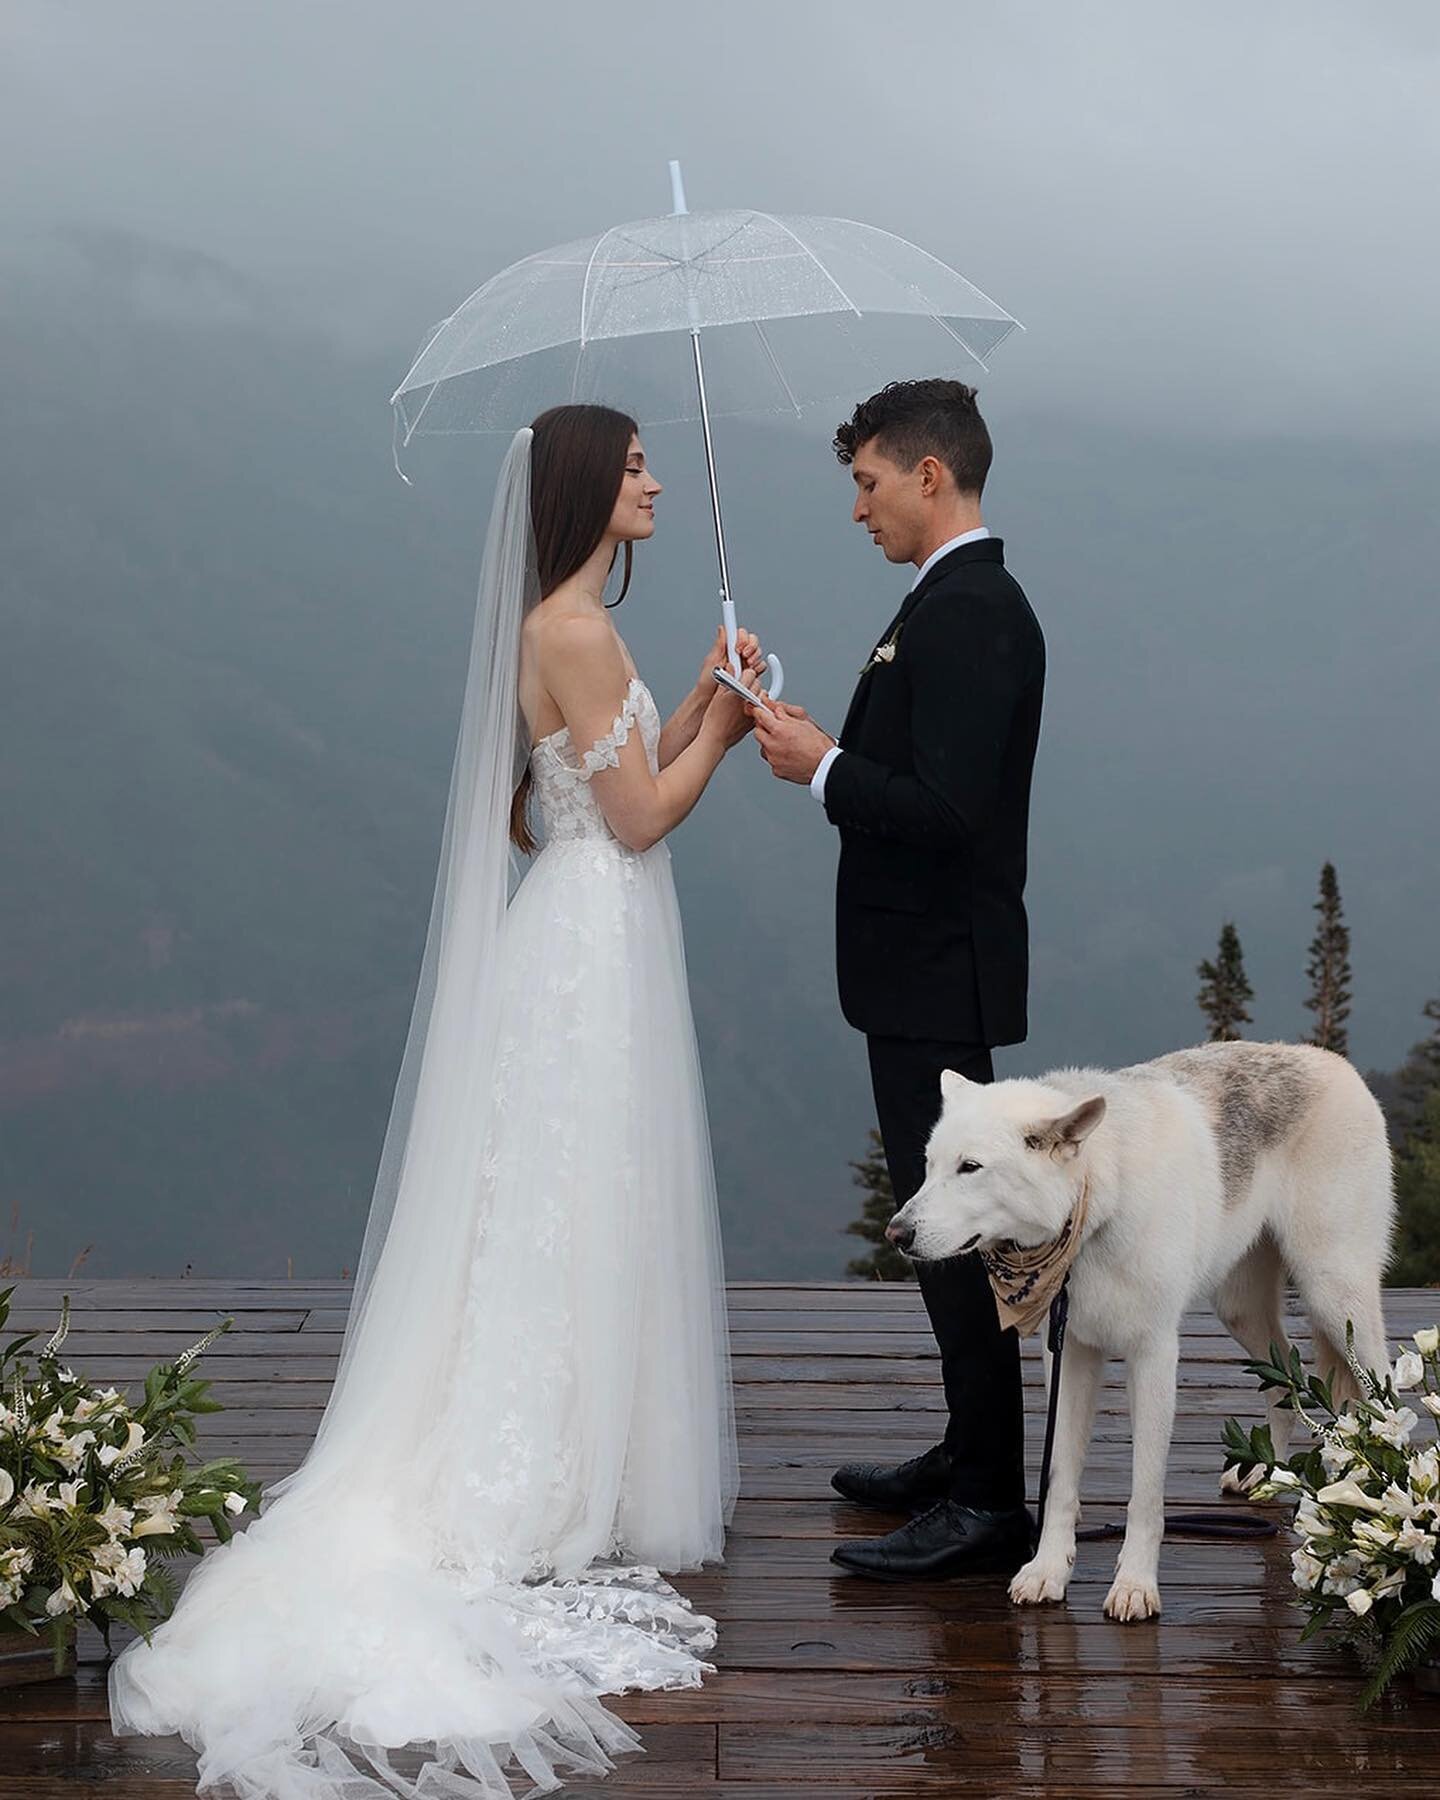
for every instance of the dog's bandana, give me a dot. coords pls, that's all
(1024, 1282)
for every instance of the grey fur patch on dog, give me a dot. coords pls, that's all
(1256, 1095)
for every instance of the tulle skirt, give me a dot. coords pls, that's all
(471, 1600)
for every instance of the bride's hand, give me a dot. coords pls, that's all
(727, 715)
(752, 658)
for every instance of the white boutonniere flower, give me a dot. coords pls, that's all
(884, 653)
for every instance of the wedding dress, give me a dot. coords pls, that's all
(532, 1415)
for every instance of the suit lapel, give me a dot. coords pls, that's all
(983, 550)
(867, 675)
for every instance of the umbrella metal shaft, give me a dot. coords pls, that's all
(710, 471)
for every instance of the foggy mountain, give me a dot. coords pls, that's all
(233, 649)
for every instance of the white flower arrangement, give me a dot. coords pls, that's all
(1368, 1512)
(96, 1494)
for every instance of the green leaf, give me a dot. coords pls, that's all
(1414, 1631)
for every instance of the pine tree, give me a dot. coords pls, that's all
(1419, 1075)
(872, 1176)
(1224, 989)
(1329, 969)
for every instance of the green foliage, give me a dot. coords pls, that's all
(1329, 969)
(872, 1177)
(1225, 989)
(1416, 1262)
(1419, 1074)
(97, 1492)
(1368, 1518)
(1414, 1631)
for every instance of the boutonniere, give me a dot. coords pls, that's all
(884, 653)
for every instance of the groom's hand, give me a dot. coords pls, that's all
(790, 741)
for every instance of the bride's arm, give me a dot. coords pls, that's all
(586, 676)
(684, 722)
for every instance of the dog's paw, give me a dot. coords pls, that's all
(1233, 1482)
(1129, 1600)
(1040, 1581)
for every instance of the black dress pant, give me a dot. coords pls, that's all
(979, 1363)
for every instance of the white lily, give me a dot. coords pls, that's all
(1307, 1569)
(1395, 1425)
(71, 1453)
(235, 1503)
(160, 1524)
(134, 1438)
(1397, 1503)
(1359, 1602)
(63, 1600)
(7, 1487)
(1348, 1493)
(1409, 1371)
(1424, 1470)
(1418, 1545)
(1372, 1533)
(1431, 1403)
(1427, 1341)
(115, 1520)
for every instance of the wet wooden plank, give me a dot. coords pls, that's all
(829, 1686)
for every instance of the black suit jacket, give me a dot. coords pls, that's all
(932, 799)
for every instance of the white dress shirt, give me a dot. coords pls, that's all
(817, 780)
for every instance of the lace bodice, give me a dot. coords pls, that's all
(568, 807)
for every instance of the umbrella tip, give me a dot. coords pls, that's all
(677, 188)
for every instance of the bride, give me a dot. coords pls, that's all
(532, 1412)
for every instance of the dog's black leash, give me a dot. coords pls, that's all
(1191, 1524)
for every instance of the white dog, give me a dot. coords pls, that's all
(1208, 1175)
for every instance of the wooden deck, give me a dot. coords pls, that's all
(828, 1686)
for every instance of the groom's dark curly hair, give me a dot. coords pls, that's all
(911, 419)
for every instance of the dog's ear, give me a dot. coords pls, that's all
(952, 1085)
(1063, 1137)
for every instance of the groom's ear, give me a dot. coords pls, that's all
(952, 1085)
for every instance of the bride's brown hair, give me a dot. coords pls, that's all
(577, 468)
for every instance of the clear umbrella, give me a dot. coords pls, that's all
(792, 309)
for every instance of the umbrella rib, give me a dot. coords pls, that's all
(805, 250)
(950, 331)
(585, 285)
(775, 365)
(483, 288)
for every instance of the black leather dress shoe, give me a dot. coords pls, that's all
(950, 1539)
(919, 1482)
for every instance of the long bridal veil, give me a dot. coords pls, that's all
(343, 1625)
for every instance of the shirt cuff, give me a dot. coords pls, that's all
(817, 780)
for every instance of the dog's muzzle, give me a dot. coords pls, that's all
(901, 1236)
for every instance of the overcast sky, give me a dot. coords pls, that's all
(1221, 212)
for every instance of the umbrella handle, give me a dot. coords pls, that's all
(776, 667)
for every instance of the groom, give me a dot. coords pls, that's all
(929, 787)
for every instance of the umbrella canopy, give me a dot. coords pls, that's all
(793, 309)
(788, 307)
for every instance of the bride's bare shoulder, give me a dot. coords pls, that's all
(569, 638)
